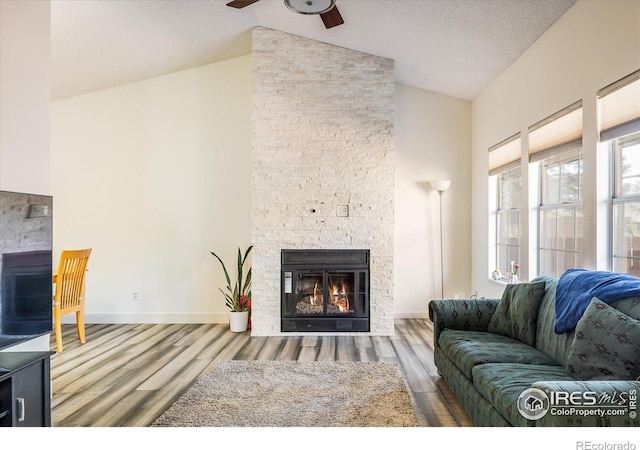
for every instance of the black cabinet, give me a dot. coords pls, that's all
(25, 389)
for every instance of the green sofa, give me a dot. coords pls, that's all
(490, 351)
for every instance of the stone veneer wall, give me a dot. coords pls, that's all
(21, 233)
(323, 138)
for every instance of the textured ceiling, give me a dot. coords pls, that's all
(454, 47)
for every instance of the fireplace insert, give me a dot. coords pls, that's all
(325, 290)
(26, 293)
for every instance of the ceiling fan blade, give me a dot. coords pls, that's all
(332, 18)
(241, 3)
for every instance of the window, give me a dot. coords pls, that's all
(619, 118)
(626, 205)
(542, 198)
(509, 189)
(504, 165)
(560, 241)
(556, 144)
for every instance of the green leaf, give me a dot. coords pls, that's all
(226, 274)
(241, 286)
(247, 283)
(240, 264)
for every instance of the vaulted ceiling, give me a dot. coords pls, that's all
(453, 47)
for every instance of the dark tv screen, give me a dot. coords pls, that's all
(26, 289)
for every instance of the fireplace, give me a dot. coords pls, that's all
(325, 290)
(26, 293)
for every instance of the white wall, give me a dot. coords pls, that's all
(592, 45)
(433, 140)
(153, 176)
(24, 96)
(24, 106)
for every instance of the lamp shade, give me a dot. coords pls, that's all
(441, 185)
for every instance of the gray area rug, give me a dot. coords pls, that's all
(294, 394)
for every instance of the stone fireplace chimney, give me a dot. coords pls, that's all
(322, 165)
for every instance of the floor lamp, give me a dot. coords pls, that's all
(441, 186)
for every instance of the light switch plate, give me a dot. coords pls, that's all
(343, 211)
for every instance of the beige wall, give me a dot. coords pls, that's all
(24, 106)
(433, 140)
(24, 96)
(592, 45)
(153, 176)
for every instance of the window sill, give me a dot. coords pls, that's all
(503, 281)
(500, 282)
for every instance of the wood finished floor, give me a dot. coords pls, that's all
(127, 375)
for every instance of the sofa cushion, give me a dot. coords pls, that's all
(606, 345)
(517, 313)
(467, 349)
(502, 384)
(547, 341)
(629, 306)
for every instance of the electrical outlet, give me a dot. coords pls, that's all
(135, 296)
(343, 211)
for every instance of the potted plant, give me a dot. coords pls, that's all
(238, 295)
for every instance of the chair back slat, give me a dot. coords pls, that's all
(71, 278)
(69, 293)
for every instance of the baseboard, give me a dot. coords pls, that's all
(150, 318)
(412, 315)
(186, 317)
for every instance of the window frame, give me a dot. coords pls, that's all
(576, 207)
(514, 172)
(620, 199)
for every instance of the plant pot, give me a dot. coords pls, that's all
(238, 321)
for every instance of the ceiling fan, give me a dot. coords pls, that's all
(326, 9)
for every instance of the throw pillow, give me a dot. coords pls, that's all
(500, 322)
(606, 345)
(524, 311)
(517, 313)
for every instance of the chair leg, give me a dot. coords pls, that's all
(80, 322)
(58, 330)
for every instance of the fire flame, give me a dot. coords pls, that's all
(338, 296)
(315, 298)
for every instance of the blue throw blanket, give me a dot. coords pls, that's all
(576, 288)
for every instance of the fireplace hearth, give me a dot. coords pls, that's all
(325, 291)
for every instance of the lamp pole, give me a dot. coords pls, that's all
(441, 250)
(441, 186)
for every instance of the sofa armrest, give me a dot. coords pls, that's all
(466, 314)
(591, 403)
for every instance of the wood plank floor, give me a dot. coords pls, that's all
(127, 375)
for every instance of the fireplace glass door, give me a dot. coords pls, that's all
(324, 293)
(325, 298)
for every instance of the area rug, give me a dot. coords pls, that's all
(294, 394)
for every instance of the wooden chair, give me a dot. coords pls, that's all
(69, 292)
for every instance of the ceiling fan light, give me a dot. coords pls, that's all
(310, 6)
